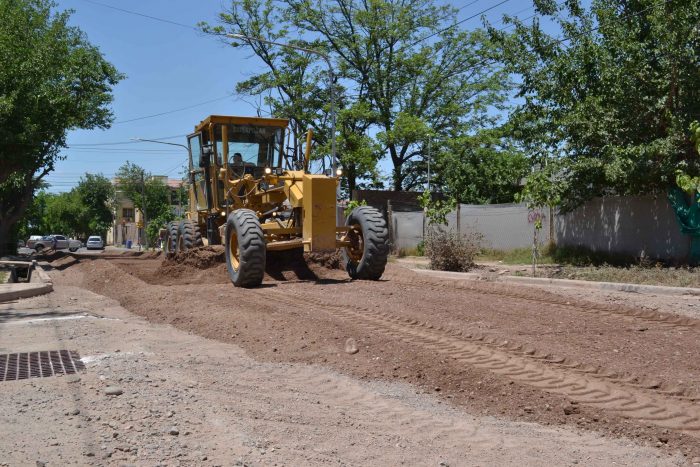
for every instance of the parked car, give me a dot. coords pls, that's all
(95, 242)
(61, 243)
(32, 240)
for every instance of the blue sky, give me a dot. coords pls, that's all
(171, 67)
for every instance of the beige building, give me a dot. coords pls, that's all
(128, 220)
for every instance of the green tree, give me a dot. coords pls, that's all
(148, 194)
(85, 210)
(52, 80)
(610, 100)
(64, 214)
(399, 64)
(96, 195)
(481, 169)
(294, 87)
(33, 222)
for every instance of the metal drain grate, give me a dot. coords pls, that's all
(14, 366)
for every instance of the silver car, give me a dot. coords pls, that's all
(94, 243)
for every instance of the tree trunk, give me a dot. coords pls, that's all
(6, 246)
(11, 210)
(352, 179)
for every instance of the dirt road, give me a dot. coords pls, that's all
(445, 371)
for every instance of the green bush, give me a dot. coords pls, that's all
(450, 251)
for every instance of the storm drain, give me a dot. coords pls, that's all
(14, 366)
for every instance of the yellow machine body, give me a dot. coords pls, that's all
(295, 209)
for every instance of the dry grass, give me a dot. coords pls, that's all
(450, 251)
(674, 277)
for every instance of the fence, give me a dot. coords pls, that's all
(503, 226)
(626, 225)
(629, 225)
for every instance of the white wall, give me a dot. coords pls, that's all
(503, 226)
(626, 225)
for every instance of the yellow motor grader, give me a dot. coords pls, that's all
(246, 193)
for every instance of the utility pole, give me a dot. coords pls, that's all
(143, 205)
(430, 140)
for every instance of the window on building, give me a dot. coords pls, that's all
(128, 214)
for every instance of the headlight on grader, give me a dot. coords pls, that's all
(339, 172)
(268, 171)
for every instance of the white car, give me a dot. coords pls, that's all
(32, 240)
(57, 242)
(95, 242)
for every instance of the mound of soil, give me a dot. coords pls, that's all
(200, 258)
(329, 260)
(280, 265)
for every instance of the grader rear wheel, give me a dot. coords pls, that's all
(188, 236)
(367, 254)
(171, 239)
(245, 248)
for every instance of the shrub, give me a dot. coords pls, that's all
(450, 251)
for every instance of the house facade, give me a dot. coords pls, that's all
(128, 220)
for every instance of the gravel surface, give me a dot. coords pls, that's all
(312, 368)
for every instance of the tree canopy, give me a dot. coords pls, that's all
(51, 80)
(403, 75)
(83, 211)
(605, 107)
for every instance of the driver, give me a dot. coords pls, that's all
(237, 159)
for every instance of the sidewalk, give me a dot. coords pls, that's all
(420, 265)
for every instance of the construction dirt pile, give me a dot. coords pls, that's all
(280, 265)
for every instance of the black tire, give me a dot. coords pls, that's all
(188, 236)
(171, 239)
(367, 256)
(73, 250)
(245, 248)
(39, 248)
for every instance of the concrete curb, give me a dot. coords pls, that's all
(613, 286)
(10, 292)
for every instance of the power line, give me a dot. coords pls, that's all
(119, 122)
(143, 15)
(103, 149)
(116, 143)
(476, 15)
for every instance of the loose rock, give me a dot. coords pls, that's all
(113, 391)
(351, 346)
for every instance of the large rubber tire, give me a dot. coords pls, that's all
(188, 236)
(39, 248)
(171, 239)
(73, 250)
(245, 248)
(367, 256)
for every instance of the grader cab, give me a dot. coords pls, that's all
(246, 193)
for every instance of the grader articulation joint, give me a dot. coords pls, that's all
(247, 194)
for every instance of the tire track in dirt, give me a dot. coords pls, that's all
(662, 319)
(537, 370)
(414, 423)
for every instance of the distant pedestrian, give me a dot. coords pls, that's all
(55, 243)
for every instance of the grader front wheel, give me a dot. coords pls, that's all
(366, 256)
(245, 248)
